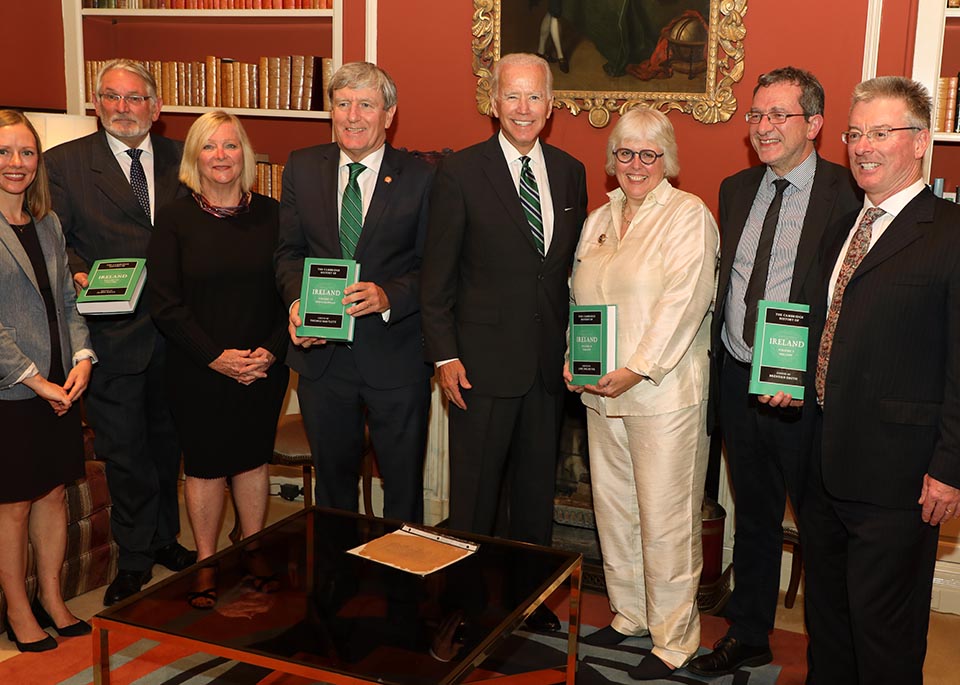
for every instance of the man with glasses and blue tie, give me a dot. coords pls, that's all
(773, 220)
(107, 189)
(886, 463)
(360, 198)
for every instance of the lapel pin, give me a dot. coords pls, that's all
(388, 179)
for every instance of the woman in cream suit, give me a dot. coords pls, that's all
(651, 251)
(45, 364)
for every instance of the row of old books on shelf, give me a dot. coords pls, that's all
(945, 119)
(269, 179)
(209, 4)
(288, 82)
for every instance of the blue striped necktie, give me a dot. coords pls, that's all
(351, 213)
(530, 199)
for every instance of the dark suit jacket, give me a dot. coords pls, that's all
(388, 355)
(101, 220)
(892, 404)
(488, 298)
(832, 196)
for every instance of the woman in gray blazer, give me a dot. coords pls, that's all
(45, 363)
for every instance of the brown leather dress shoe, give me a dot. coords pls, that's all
(728, 655)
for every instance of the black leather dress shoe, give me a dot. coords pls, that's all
(651, 668)
(126, 583)
(175, 557)
(543, 620)
(727, 656)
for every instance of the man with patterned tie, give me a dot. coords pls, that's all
(505, 218)
(359, 198)
(886, 469)
(773, 220)
(107, 189)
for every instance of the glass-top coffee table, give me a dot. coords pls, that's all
(339, 618)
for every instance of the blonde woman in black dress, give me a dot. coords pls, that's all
(213, 295)
(45, 364)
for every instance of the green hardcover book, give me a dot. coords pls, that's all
(593, 342)
(114, 286)
(321, 311)
(780, 348)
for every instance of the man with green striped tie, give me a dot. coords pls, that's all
(505, 217)
(361, 199)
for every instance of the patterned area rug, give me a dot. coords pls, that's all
(146, 662)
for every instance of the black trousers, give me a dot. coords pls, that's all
(135, 435)
(868, 580)
(334, 408)
(505, 445)
(767, 451)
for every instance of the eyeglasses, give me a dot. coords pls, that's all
(625, 155)
(877, 135)
(132, 100)
(772, 117)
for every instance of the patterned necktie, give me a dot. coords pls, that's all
(351, 213)
(757, 286)
(530, 199)
(138, 181)
(856, 251)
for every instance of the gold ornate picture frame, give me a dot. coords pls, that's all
(610, 55)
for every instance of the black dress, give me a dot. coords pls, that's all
(41, 450)
(212, 287)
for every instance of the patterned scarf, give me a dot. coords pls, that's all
(224, 212)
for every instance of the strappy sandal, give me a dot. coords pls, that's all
(206, 597)
(261, 575)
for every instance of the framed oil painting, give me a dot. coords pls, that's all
(610, 55)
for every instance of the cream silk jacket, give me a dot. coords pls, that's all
(662, 277)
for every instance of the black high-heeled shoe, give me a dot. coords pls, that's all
(78, 629)
(44, 645)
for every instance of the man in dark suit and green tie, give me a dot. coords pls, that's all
(360, 198)
(505, 218)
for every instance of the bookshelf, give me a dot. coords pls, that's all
(191, 35)
(937, 53)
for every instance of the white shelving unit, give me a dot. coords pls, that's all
(932, 19)
(73, 29)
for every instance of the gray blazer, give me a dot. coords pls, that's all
(24, 334)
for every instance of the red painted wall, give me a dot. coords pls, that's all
(31, 71)
(422, 45)
(425, 45)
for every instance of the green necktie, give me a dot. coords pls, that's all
(351, 213)
(530, 199)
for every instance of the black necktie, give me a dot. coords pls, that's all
(138, 181)
(761, 262)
